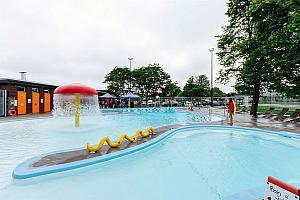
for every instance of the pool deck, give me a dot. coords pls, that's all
(245, 120)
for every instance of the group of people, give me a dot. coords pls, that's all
(110, 103)
(118, 103)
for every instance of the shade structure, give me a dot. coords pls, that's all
(75, 88)
(130, 96)
(108, 96)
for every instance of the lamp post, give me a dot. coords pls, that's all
(130, 59)
(211, 76)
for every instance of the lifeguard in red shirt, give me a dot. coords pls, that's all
(231, 111)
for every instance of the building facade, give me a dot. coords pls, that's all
(21, 97)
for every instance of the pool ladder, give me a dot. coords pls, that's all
(93, 149)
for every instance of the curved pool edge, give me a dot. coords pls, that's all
(22, 171)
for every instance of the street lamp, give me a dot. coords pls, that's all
(130, 59)
(211, 76)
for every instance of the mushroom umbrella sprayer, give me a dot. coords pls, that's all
(75, 99)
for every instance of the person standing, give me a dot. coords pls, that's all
(231, 110)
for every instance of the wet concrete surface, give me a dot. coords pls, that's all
(25, 117)
(245, 120)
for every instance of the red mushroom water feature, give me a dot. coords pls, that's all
(75, 99)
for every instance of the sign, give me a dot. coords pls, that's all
(29, 100)
(278, 190)
(42, 100)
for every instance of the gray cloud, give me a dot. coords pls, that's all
(70, 41)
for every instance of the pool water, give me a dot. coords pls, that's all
(20, 140)
(195, 163)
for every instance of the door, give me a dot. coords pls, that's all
(21, 103)
(2, 102)
(46, 102)
(35, 102)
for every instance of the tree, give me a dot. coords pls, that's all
(118, 80)
(277, 30)
(196, 86)
(254, 47)
(146, 80)
(171, 89)
(218, 92)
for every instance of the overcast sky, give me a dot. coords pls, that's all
(79, 41)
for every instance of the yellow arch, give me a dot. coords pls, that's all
(106, 139)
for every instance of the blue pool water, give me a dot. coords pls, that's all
(23, 139)
(195, 163)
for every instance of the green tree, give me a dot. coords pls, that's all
(218, 92)
(277, 31)
(146, 80)
(171, 89)
(197, 86)
(118, 80)
(254, 47)
(283, 43)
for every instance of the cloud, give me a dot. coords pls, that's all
(66, 41)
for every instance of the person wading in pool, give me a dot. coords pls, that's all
(230, 111)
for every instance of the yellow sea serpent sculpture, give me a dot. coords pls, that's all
(106, 139)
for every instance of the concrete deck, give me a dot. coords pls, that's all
(245, 120)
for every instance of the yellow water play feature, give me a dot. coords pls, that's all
(93, 149)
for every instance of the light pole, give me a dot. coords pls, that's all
(211, 76)
(130, 59)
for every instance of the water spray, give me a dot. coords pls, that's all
(75, 100)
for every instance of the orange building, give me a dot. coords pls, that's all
(20, 97)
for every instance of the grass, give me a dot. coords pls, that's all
(276, 111)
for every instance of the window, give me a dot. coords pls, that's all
(20, 89)
(46, 91)
(35, 90)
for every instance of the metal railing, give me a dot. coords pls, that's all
(241, 101)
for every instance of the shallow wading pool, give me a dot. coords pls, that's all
(193, 162)
(23, 139)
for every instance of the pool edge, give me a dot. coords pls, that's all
(21, 171)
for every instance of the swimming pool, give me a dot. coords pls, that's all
(23, 139)
(205, 162)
